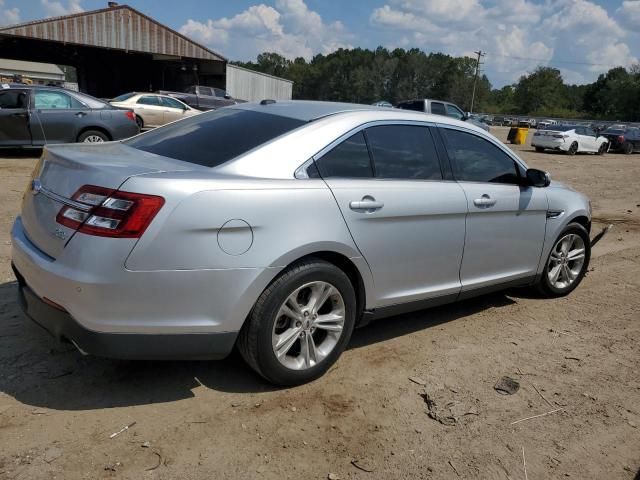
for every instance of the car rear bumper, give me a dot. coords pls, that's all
(62, 326)
(89, 282)
(555, 144)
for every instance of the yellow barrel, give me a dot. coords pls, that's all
(521, 136)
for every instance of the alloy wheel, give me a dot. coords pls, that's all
(566, 261)
(93, 139)
(308, 325)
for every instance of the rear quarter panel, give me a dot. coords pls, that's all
(276, 221)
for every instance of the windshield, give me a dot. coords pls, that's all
(212, 138)
(123, 97)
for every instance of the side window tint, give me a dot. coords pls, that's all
(171, 103)
(475, 159)
(454, 112)
(404, 152)
(55, 100)
(150, 100)
(437, 108)
(13, 99)
(350, 159)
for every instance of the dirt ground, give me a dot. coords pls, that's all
(577, 356)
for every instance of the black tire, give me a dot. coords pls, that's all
(603, 149)
(88, 134)
(627, 148)
(539, 149)
(544, 285)
(255, 339)
(573, 149)
(140, 122)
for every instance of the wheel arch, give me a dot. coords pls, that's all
(97, 129)
(582, 220)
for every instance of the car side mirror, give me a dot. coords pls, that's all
(538, 178)
(466, 116)
(227, 96)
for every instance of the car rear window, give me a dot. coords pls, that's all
(416, 105)
(613, 131)
(212, 138)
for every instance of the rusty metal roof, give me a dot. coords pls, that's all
(120, 27)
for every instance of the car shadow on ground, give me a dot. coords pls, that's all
(38, 371)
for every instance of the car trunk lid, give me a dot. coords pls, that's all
(60, 173)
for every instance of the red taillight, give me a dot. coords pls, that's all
(130, 115)
(110, 213)
(620, 138)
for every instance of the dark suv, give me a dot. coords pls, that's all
(32, 116)
(625, 140)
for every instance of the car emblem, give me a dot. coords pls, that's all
(36, 186)
(60, 234)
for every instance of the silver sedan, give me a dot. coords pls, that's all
(278, 227)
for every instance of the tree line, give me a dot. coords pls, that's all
(366, 76)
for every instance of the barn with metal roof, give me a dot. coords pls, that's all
(115, 50)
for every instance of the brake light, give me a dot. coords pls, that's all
(130, 115)
(620, 138)
(110, 213)
(560, 136)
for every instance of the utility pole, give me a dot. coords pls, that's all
(475, 78)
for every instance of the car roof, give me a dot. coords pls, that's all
(308, 111)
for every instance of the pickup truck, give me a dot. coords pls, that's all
(439, 107)
(202, 98)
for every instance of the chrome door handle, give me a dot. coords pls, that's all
(484, 201)
(367, 205)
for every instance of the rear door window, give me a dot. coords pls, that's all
(212, 138)
(149, 100)
(350, 159)
(403, 152)
(437, 108)
(475, 159)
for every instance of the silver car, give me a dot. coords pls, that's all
(278, 227)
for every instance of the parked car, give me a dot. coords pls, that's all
(625, 140)
(543, 124)
(439, 107)
(570, 139)
(32, 116)
(153, 110)
(201, 97)
(265, 226)
(382, 103)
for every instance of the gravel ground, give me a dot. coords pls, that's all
(366, 419)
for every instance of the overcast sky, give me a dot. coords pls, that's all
(583, 38)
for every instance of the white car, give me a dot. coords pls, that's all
(153, 110)
(542, 124)
(569, 139)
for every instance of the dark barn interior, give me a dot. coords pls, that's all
(115, 50)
